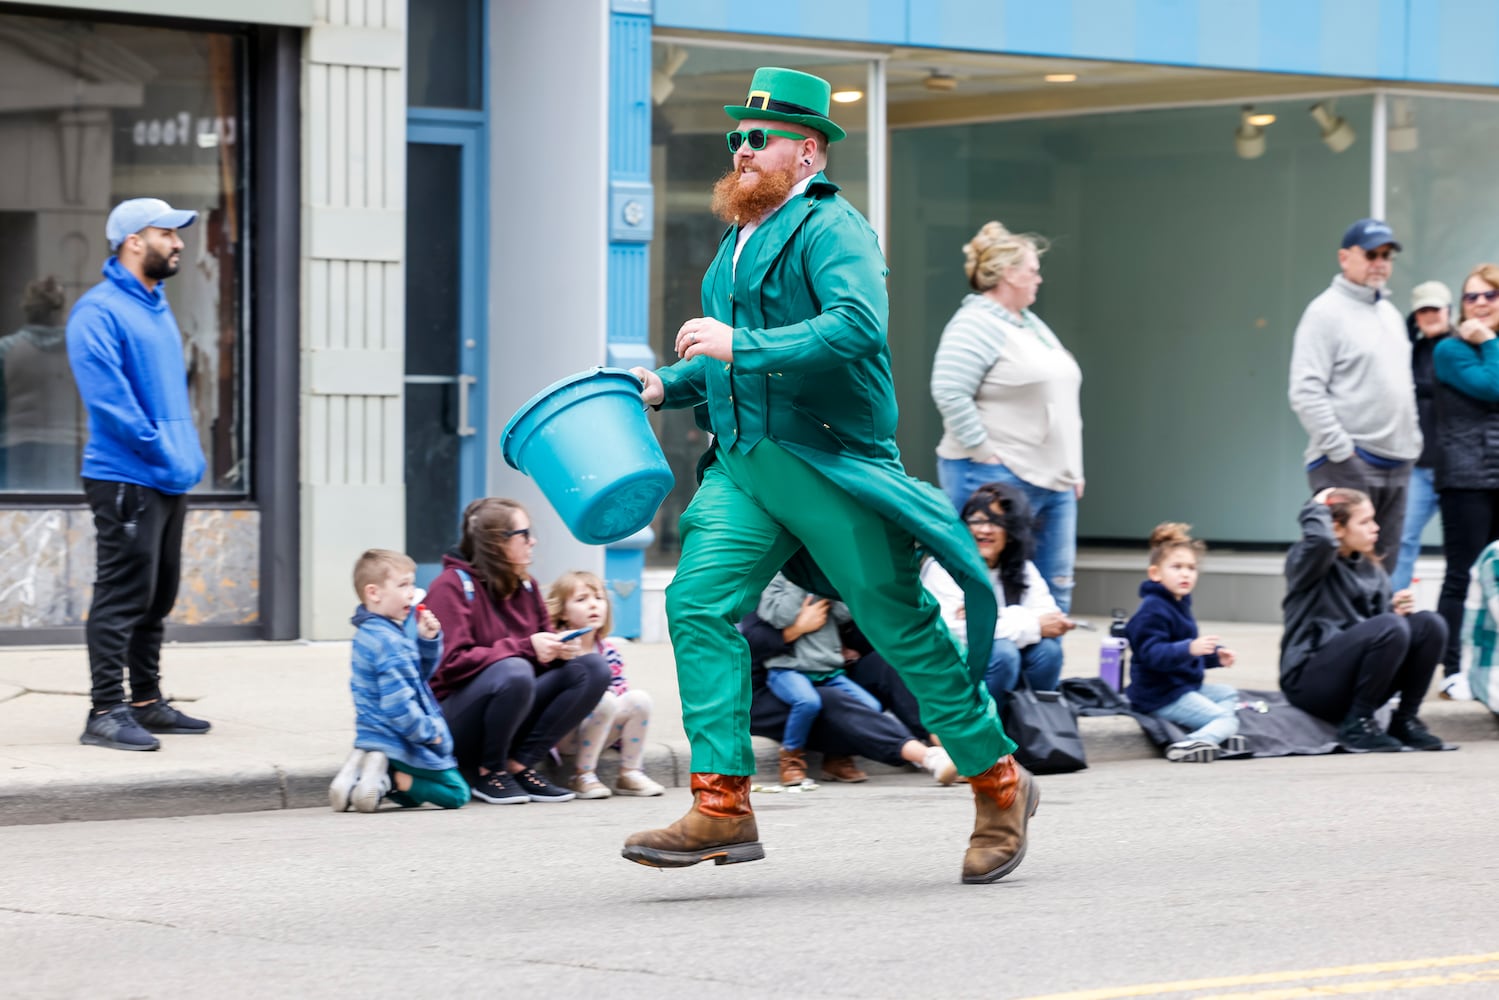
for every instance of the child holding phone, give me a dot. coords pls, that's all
(579, 603)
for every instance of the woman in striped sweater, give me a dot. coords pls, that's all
(1008, 393)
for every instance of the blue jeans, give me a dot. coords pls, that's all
(1041, 661)
(1053, 513)
(800, 695)
(1420, 505)
(1210, 713)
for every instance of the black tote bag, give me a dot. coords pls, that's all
(1044, 729)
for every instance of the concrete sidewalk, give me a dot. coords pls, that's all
(283, 723)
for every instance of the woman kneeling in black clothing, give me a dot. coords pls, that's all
(1349, 646)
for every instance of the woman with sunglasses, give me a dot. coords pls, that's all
(510, 687)
(1008, 393)
(1467, 468)
(1026, 637)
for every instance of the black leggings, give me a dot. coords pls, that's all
(1360, 668)
(508, 712)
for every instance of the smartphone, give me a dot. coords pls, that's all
(1085, 626)
(570, 636)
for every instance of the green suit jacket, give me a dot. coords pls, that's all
(811, 371)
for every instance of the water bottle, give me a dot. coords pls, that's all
(1112, 652)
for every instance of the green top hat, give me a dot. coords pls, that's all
(788, 95)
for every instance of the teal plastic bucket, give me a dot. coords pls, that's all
(587, 444)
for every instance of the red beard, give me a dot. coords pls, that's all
(741, 206)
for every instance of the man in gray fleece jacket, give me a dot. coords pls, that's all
(1351, 384)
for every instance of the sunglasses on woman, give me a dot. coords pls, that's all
(523, 532)
(756, 137)
(1488, 296)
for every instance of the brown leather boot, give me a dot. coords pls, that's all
(793, 767)
(842, 769)
(720, 827)
(1005, 797)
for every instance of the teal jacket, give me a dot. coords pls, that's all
(811, 372)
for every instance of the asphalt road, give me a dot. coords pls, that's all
(1270, 880)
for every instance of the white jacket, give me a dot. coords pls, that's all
(1019, 623)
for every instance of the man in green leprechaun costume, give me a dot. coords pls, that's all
(789, 369)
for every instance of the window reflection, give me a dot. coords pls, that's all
(93, 113)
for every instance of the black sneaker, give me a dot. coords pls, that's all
(1413, 733)
(500, 788)
(1192, 752)
(117, 730)
(1234, 746)
(539, 789)
(1361, 734)
(161, 717)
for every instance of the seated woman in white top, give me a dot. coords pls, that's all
(1025, 637)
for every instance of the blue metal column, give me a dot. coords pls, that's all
(631, 222)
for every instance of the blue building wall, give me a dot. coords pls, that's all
(1445, 41)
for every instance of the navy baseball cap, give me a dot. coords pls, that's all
(136, 214)
(1369, 234)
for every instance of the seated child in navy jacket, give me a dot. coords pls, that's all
(1170, 657)
(400, 735)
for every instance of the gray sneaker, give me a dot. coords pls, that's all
(345, 781)
(117, 730)
(373, 783)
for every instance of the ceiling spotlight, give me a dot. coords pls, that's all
(847, 96)
(938, 80)
(1261, 119)
(1249, 140)
(1337, 134)
(1061, 77)
(1402, 136)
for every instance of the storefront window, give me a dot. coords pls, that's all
(690, 86)
(93, 113)
(1176, 275)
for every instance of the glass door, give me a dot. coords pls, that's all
(445, 411)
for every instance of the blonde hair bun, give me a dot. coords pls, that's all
(993, 250)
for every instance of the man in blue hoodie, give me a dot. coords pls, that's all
(141, 459)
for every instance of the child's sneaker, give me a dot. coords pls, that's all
(940, 765)
(1235, 746)
(373, 782)
(1192, 752)
(636, 783)
(500, 788)
(344, 781)
(588, 786)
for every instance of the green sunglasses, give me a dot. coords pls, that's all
(756, 137)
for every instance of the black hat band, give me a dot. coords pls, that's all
(764, 102)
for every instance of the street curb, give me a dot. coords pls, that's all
(1106, 739)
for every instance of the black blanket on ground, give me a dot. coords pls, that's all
(1273, 726)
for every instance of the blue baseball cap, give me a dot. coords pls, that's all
(136, 214)
(1369, 234)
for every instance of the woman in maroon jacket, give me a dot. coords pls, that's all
(509, 686)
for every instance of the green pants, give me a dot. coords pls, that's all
(751, 513)
(441, 788)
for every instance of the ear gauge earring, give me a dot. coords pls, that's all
(808, 162)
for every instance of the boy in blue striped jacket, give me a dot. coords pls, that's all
(400, 736)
